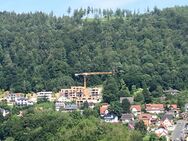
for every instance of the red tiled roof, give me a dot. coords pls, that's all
(137, 107)
(103, 108)
(174, 106)
(154, 106)
(144, 116)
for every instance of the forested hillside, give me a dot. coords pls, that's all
(40, 51)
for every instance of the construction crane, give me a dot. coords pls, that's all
(85, 74)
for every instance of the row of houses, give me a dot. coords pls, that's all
(154, 116)
(27, 100)
(65, 99)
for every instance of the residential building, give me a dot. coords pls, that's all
(154, 108)
(104, 109)
(70, 107)
(135, 110)
(23, 102)
(126, 118)
(110, 117)
(172, 91)
(45, 95)
(146, 118)
(161, 132)
(12, 97)
(60, 103)
(173, 108)
(167, 121)
(80, 94)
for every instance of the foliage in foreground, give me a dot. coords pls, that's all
(49, 126)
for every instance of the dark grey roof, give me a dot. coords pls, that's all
(167, 116)
(71, 107)
(1, 110)
(109, 116)
(127, 116)
(22, 98)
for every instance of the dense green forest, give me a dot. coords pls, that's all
(40, 51)
(48, 125)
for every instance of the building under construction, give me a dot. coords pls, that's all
(81, 94)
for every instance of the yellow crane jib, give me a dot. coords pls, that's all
(85, 74)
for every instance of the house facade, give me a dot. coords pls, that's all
(12, 97)
(45, 95)
(135, 110)
(146, 118)
(104, 109)
(154, 108)
(111, 118)
(23, 102)
(70, 107)
(60, 103)
(161, 132)
(127, 118)
(167, 121)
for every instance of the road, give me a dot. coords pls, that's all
(178, 131)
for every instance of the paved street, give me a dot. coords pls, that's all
(178, 131)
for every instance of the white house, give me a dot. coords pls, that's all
(110, 117)
(44, 94)
(154, 108)
(12, 97)
(60, 103)
(135, 110)
(23, 102)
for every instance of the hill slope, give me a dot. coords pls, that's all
(39, 51)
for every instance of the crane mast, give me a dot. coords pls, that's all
(85, 74)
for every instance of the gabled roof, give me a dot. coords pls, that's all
(174, 106)
(71, 107)
(137, 107)
(167, 116)
(15, 94)
(103, 108)
(109, 116)
(161, 132)
(144, 116)
(154, 107)
(127, 117)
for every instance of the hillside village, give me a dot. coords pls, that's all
(158, 118)
(133, 65)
